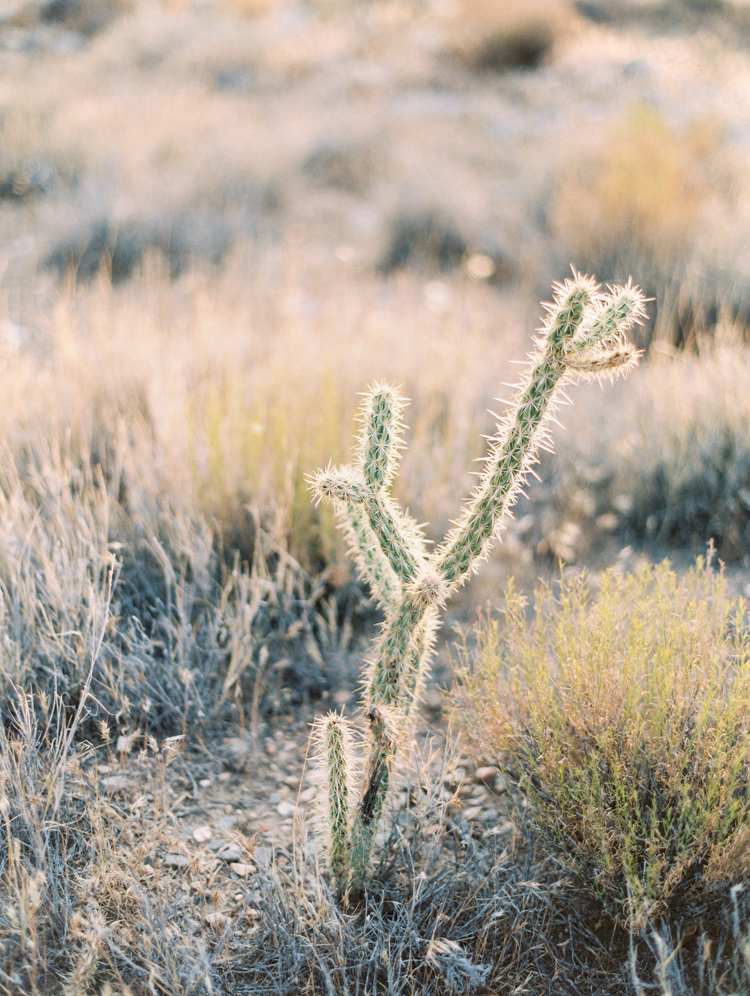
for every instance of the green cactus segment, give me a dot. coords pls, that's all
(380, 440)
(342, 485)
(398, 538)
(608, 321)
(372, 562)
(333, 748)
(374, 790)
(507, 465)
(394, 653)
(567, 310)
(420, 654)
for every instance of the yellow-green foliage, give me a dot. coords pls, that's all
(625, 718)
(641, 192)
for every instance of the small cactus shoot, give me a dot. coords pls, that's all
(583, 336)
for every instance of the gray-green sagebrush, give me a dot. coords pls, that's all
(583, 335)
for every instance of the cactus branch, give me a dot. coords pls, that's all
(332, 745)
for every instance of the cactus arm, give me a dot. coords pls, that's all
(513, 451)
(393, 653)
(332, 745)
(372, 562)
(399, 538)
(608, 320)
(381, 436)
(383, 737)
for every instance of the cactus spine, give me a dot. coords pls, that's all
(583, 336)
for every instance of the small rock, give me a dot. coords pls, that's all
(205, 782)
(433, 699)
(454, 778)
(241, 869)
(217, 919)
(286, 809)
(342, 697)
(472, 812)
(237, 753)
(176, 860)
(202, 834)
(502, 828)
(486, 776)
(315, 776)
(114, 783)
(624, 504)
(309, 794)
(230, 854)
(608, 522)
(273, 798)
(225, 776)
(227, 822)
(263, 856)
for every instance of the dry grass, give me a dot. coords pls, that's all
(623, 715)
(614, 216)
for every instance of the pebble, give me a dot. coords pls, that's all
(202, 834)
(433, 699)
(115, 783)
(176, 860)
(237, 753)
(486, 776)
(227, 822)
(263, 856)
(217, 919)
(241, 869)
(286, 809)
(309, 794)
(230, 854)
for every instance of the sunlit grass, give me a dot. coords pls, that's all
(623, 715)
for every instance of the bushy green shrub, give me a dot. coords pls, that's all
(624, 717)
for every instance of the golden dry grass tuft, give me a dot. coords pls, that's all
(623, 715)
(644, 190)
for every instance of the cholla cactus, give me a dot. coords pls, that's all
(582, 336)
(333, 747)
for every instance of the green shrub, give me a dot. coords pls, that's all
(624, 718)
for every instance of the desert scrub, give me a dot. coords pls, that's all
(625, 718)
(583, 336)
